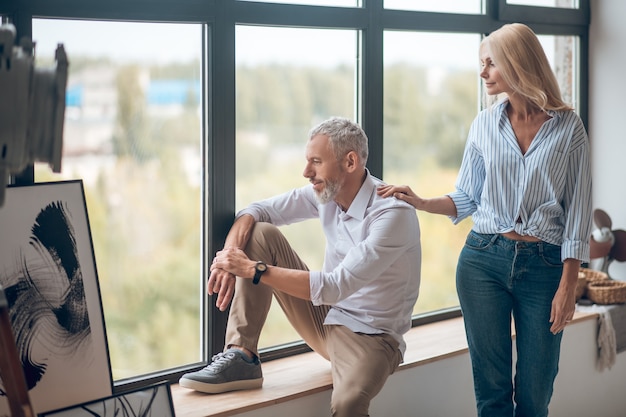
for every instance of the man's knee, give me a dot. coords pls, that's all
(262, 236)
(350, 402)
(266, 230)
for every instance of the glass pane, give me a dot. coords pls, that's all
(341, 3)
(133, 134)
(288, 80)
(442, 6)
(431, 97)
(562, 52)
(564, 4)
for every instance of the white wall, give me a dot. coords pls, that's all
(581, 389)
(444, 388)
(607, 112)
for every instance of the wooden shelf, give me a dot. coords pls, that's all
(300, 375)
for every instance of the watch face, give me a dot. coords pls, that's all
(261, 267)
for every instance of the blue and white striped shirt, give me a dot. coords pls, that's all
(545, 193)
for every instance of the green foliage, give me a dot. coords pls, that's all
(424, 121)
(131, 137)
(176, 71)
(148, 253)
(146, 216)
(270, 97)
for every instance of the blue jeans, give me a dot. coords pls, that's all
(497, 277)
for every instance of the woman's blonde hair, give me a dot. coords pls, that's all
(522, 63)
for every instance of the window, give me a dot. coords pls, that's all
(431, 86)
(288, 80)
(447, 6)
(430, 100)
(342, 3)
(132, 134)
(565, 4)
(563, 52)
(545, 12)
(180, 114)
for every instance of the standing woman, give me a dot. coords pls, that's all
(525, 179)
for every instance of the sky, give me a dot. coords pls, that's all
(164, 42)
(175, 42)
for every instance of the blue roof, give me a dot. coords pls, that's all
(160, 92)
(74, 96)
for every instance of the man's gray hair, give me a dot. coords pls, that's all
(344, 136)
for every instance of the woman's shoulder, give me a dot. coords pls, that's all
(568, 119)
(570, 127)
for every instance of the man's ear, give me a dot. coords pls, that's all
(351, 161)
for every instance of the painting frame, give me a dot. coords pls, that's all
(151, 401)
(48, 272)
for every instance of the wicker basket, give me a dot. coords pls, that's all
(607, 291)
(592, 275)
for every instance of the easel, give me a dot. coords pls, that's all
(10, 366)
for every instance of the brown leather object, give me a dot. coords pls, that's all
(10, 366)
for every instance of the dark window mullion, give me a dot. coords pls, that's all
(221, 154)
(371, 86)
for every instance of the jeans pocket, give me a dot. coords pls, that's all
(479, 241)
(551, 255)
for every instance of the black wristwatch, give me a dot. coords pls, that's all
(259, 269)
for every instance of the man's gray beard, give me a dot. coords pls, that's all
(330, 191)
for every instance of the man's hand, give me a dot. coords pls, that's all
(227, 265)
(221, 283)
(235, 261)
(222, 279)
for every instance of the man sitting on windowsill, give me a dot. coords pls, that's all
(353, 312)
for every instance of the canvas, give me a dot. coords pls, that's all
(48, 272)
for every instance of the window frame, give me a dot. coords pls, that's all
(219, 18)
(545, 15)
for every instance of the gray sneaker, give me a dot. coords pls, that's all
(228, 371)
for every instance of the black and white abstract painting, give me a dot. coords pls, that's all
(153, 401)
(48, 273)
